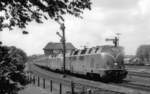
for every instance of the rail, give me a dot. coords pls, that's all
(140, 74)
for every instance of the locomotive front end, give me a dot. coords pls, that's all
(115, 68)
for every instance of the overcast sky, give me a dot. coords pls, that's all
(131, 18)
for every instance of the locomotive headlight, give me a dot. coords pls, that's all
(115, 64)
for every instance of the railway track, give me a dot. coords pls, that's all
(142, 78)
(125, 87)
(135, 85)
(140, 74)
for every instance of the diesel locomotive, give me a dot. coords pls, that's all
(102, 62)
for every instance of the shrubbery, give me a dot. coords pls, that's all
(12, 64)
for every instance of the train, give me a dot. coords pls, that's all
(105, 63)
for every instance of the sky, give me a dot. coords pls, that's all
(130, 18)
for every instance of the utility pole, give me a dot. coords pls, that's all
(64, 47)
(63, 41)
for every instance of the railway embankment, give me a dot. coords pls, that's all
(116, 88)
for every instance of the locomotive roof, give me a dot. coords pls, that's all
(110, 46)
(94, 50)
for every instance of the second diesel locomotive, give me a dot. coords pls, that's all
(103, 62)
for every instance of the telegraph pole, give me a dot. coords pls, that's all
(64, 47)
(63, 41)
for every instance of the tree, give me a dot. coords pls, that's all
(21, 12)
(12, 63)
(19, 57)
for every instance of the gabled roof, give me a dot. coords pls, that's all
(58, 46)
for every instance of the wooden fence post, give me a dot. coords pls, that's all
(60, 89)
(30, 77)
(72, 87)
(33, 79)
(38, 81)
(43, 82)
(83, 90)
(51, 85)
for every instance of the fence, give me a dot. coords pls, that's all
(52, 85)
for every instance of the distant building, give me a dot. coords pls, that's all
(53, 48)
(143, 54)
(128, 59)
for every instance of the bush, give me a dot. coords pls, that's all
(12, 64)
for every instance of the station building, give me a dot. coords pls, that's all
(55, 48)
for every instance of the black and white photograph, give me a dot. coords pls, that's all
(74, 47)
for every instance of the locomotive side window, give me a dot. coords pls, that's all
(76, 52)
(71, 53)
(83, 51)
(93, 51)
(90, 51)
(87, 50)
(99, 50)
(96, 50)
